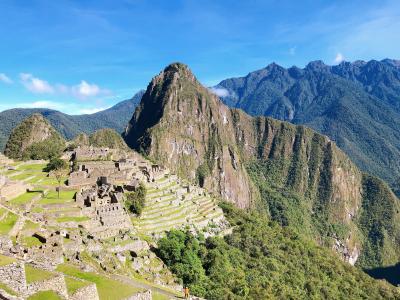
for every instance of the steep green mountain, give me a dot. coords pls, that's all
(34, 138)
(107, 138)
(69, 126)
(356, 104)
(300, 177)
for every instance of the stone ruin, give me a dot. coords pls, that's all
(103, 204)
(123, 171)
(10, 189)
(92, 153)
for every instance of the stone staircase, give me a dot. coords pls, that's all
(173, 203)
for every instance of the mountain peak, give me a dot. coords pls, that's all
(316, 65)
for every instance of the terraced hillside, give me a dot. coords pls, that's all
(49, 229)
(173, 203)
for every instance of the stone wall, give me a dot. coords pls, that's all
(13, 275)
(147, 295)
(86, 293)
(56, 284)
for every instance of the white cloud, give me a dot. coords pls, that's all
(84, 90)
(81, 91)
(220, 92)
(36, 85)
(42, 104)
(89, 111)
(292, 51)
(4, 78)
(339, 58)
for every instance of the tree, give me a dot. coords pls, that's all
(135, 201)
(58, 167)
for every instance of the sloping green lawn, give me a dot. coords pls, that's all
(7, 289)
(45, 295)
(6, 260)
(34, 274)
(107, 288)
(24, 198)
(7, 223)
(52, 197)
(73, 285)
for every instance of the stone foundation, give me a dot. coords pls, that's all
(86, 293)
(141, 296)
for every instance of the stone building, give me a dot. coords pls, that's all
(103, 204)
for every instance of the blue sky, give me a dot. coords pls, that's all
(83, 56)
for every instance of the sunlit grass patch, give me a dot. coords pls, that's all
(45, 295)
(8, 222)
(34, 274)
(6, 260)
(107, 288)
(24, 198)
(52, 197)
(72, 219)
(74, 285)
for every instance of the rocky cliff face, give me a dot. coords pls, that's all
(296, 172)
(31, 136)
(180, 124)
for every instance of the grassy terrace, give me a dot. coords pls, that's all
(7, 289)
(73, 285)
(107, 288)
(24, 198)
(30, 241)
(34, 274)
(6, 260)
(8, 222)
(45, 295)
(52, 197)
(72, 219)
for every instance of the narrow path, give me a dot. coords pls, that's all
(145, 286)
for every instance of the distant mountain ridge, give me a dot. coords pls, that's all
(69, 126)
(356, 104)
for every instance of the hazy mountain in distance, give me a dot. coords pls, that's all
(69, 126)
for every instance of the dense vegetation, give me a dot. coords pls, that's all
(355, 104)
(23, 143)
(107, 138)
(379, 220)
(262, 260)
(69, 126)
(135, 200)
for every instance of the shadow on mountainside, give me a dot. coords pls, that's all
(390, 274)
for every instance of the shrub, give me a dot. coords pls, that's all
(135, 200)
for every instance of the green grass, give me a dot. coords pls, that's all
(158, 296)
(22, 176)
(8, 223)
(107, 288)
(52, 181)
(73, 285)
(7, 289)
(24, 198)
(72, 219)
(34, 274)
(6, 260)
(31, 241)
(45, 295)
(52, 197)
(30, 225)
(36, 167)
